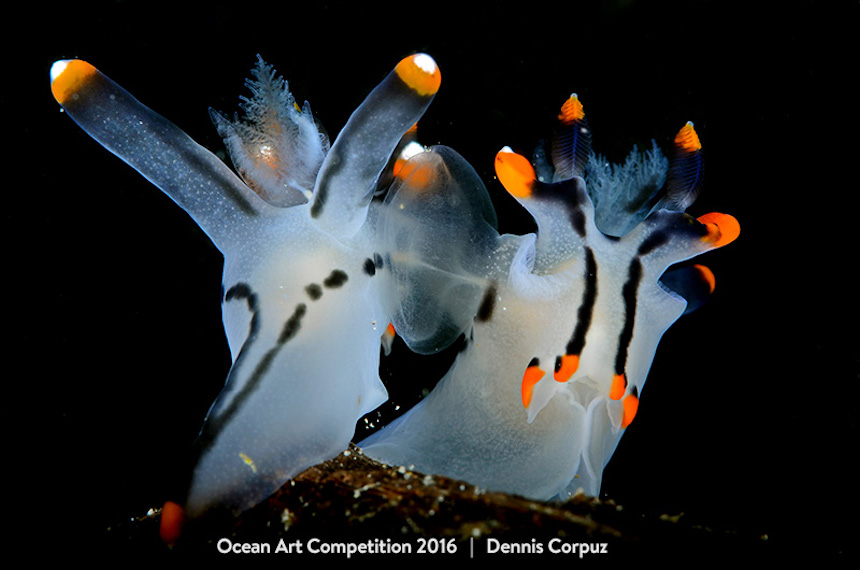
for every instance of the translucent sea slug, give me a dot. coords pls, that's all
(325, 246)
(561, 343)
(302, 311)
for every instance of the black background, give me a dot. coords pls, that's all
(748, 421)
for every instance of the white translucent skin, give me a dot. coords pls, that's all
(305, 365)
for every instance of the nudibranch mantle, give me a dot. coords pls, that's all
(559, 350)
(302, 304)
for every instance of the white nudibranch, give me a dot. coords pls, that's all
(325, 244)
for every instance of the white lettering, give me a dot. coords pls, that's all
(225, 545)
(556, 546)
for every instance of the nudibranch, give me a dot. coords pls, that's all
(302, 305)
(327, 246)
(569, 318)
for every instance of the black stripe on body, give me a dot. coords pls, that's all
(629, 292)
(652, 242)
(569, 194)
(369, 267)
(488, 303)
(215, 423)
(586, 308)
(392, 98)
(335, 279)
(243, 291)
(314, 291)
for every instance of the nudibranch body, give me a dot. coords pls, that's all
(324, 247)
(570, 317)
(301, 303)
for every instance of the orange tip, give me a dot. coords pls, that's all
(619, 385)
(420, 73)
(515, 172)
(566, 367)
(172, 520)
(631, 406)
(707, 275)
(411, 149)
(68, 76)
(571, 111)
(722, 228)
(687, 138)
(531, 377)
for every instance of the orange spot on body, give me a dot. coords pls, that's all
(420, 73)
(567, 367)
(172, 521)
(531, 377)
(419, 174)
(619, 385)
(631, 406)
(707, 275)
(723, 229)
(687, 139)
(398, 164)
(515, 172)
(571, 111)
(70, 77)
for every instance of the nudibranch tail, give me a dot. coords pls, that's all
(191, 175)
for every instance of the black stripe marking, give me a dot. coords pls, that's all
(488, 303)
(629, 293)
(652, 242)
(291, 327)
(571, 195)
(335, 279)
(243, 291)
(214, 424)
(586, 308)
(314, 291)
(577, 221)
(369, 267)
